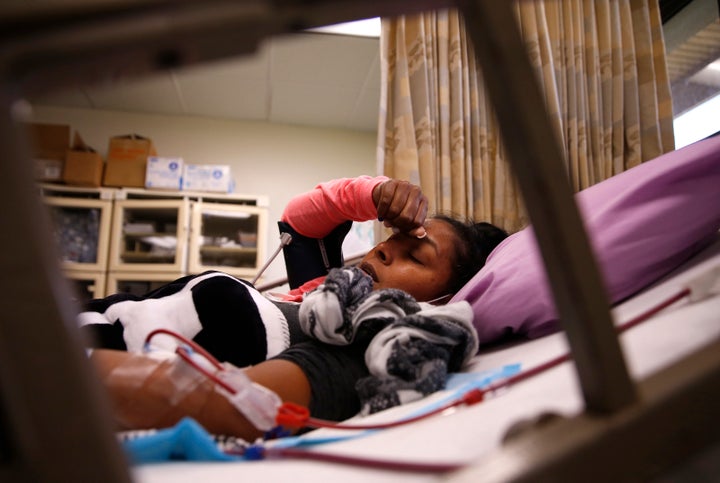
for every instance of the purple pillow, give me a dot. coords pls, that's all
(642, 223)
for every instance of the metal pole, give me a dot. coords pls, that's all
(537, 163)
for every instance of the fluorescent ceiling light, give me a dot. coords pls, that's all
(697, 123)
(361, 28)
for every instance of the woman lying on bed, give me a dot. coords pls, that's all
(642, 224)
(329, 353)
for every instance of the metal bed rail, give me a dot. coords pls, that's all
(53, 418)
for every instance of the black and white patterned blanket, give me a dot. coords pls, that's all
(223, 314)
(411, 346)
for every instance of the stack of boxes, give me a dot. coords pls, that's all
(83, 165)
(132, 161)
(50, 143)
(127, 161)
(164, 173)
(207, 177)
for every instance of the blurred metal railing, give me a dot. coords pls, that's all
(55, 425)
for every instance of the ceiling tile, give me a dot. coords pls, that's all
(344, 61)
(251, 66)
(235, 90)
(373, 71)
(243, 100)
(296, 60)
(306, 79)
(66, 98)
(367, 108)
(312, 104)
(156, 94)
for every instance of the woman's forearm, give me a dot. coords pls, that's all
(144, 395)
(317, 212)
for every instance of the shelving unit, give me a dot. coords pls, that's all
(129, 240)
(137, 283)
(87, 284)
(225, 238)
(81, 220)
(149, 235)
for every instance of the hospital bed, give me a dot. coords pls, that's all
(519, 430)
(641, 417)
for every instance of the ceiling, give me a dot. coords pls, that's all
(329, 80)
(692, 40)
(312, 79)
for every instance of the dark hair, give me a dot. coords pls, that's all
(474, 243)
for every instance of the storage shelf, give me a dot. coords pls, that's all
(210, 249)
(144, 257)
(176, 225)
(228, 257)
(227, 238)
(162, 234)
(76, 192)
(223, 198)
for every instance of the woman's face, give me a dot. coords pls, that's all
(421, 267)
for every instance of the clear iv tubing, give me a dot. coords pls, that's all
(299, 417)
(296, 416)
(256, 452)
(470, 397)
(185, 355)
(285, 239)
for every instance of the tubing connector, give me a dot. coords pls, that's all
(257, 403)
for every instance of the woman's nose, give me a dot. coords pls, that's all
(384, 252)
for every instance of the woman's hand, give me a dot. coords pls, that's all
(401, 205)
(144, 393)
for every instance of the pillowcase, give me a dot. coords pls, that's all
(642, 224)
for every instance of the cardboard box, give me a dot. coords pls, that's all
(164, 173)
(48, 169)
(125, 174)
(208, 177)
(83, 165)
(127, 160)
(130, 147)
(49, 144)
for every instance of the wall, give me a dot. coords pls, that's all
(275, 160)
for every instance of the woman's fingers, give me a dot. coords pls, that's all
(402, 205)
(419, 221)
(383, 195)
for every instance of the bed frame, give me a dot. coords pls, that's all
(54, 420)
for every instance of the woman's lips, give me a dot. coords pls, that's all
(367, 268)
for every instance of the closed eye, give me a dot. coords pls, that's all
(415, 259)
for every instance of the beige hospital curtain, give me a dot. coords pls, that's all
(600, 65)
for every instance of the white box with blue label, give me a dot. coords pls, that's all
(164, 173)
(208, 177)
